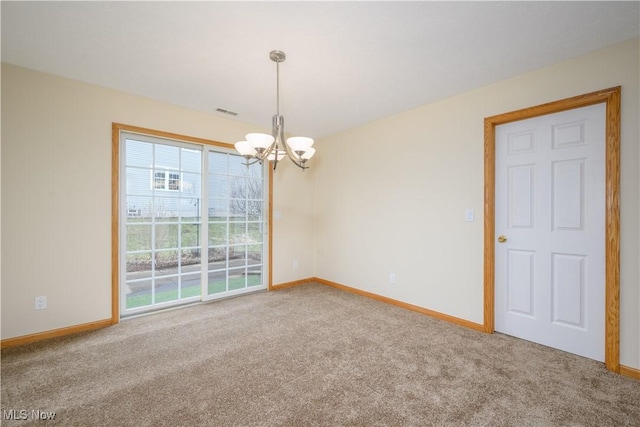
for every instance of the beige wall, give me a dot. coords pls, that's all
(390, 196)
(56, 195)
(293, 222)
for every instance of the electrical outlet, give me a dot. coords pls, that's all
(41, 303)
(392, 278)
(295, 264)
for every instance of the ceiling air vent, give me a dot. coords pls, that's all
(222, 110)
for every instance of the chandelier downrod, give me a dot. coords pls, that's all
(277, 57)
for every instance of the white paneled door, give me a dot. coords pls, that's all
(550, 230)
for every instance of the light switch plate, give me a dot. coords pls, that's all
(468, 215)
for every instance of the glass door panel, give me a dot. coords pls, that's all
(236, 224)
(162, 198)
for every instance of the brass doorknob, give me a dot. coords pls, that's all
(502, 239)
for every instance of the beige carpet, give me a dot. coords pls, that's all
(306, 356)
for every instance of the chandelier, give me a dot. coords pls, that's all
(260, 146)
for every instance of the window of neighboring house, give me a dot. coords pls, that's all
(165, 180)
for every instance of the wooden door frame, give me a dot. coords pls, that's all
(611, 97)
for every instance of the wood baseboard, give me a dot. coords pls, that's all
(39, 336)
(421, 310)
(630, 372)
(291, 284)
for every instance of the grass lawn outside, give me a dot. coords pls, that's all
(136, 301)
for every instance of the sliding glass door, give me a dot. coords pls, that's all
(168, 188)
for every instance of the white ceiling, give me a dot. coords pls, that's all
(348, 63)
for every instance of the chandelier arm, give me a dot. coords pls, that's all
(290, 154)
(292, 157)
(275, 126)
(249, 163)
(268, 150)
(300, 165)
